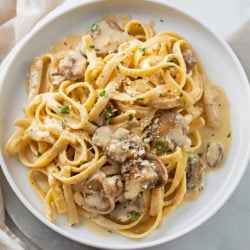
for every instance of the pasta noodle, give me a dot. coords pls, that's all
(115, 126)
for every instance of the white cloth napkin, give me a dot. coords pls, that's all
(17, 17)
(7, 239)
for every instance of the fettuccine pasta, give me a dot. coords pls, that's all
(117, 124)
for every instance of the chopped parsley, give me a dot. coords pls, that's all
(159, 145)
(92, 46)
(39, 153)
(103, 93)
(130, 116)
(181, 94)
(65, 109)
(229, 134)
(161, 20)
(122, 62)
(108, 120)
(109, 109)
(167, 150)
(134, 215)
(63, 123)
(101, 113)
(200, 155)
(94, 27)
(107, 114)
(139, 99)
(142, 49)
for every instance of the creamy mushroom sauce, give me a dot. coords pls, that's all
(218, 130)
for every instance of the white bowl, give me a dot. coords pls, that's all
(221, 66)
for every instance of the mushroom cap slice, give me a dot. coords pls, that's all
(142, 174)
(73, 66)
(119, 144)
(195, 170)
(99, 192)
(128, 210)
(170, 128)
(214, 154)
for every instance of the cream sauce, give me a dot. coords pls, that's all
(70, 42)
(97, 229)
(220, 130)
(217, 131)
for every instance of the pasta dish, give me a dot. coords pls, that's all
(120, 126)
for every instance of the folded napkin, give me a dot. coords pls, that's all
(7, 239)
(17, 17)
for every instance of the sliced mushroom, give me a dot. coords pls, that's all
(56, 77)
(170, 129)
(103, 136)
(113, 185)
(99, 192)
(72, 66)
(128, 210)
(214, 154)
(189, 59)
(107, 35)
(99, 204)
(194, 173)
(118, 144)
(142, 174)
(211, 107)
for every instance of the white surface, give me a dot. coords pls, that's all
(199, 11)
(222, 16)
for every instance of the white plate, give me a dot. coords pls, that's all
(221, 66)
